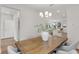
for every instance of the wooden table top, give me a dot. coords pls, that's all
(38, 46)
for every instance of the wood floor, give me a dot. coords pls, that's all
(5, 43)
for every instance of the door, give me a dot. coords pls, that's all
(8, 25)
(9, 22)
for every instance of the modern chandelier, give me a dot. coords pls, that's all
(45, 14)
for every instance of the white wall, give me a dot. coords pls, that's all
(73, 22)
(0, 22)
(29, 18)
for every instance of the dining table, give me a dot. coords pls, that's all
(37, 46)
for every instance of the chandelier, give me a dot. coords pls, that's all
(45, 14)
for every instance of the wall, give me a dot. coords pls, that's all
(29, 18)
(73, 22)
(0, 23)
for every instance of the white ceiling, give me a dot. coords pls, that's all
(40, 7)
(43, 7)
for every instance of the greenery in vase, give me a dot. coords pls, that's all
(46, 27)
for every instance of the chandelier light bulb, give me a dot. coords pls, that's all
(41, 14)
(50, 14)
(46, 13)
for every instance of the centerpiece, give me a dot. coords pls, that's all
(45, 29)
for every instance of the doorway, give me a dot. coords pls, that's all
(9, 22)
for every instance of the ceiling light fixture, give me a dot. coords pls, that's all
(45, 14)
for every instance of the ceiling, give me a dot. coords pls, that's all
(43, 7)
(40, 7)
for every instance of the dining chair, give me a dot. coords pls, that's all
(68, 49)
(12, 50)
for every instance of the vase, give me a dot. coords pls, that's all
(45, 36)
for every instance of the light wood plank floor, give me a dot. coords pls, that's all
(5, 43)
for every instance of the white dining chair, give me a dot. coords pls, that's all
(68, 49)
(67, 52)
(12, 50)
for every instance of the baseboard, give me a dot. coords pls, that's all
(7, 38)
